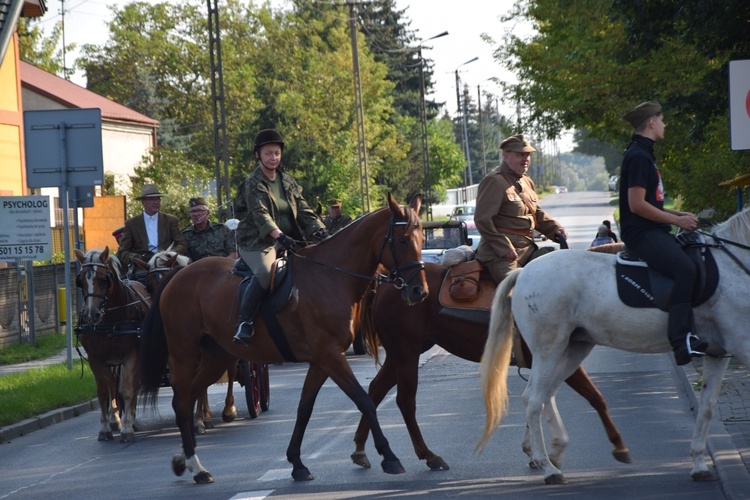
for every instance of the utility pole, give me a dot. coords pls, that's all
(481, 130)
(465, 135)
(364, 177)
(221, 157)
(62, 26)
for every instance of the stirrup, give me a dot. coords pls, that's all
(695, 346)
(243, 336)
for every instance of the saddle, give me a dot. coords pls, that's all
(466, 293)
(279, 295)
(643, 287)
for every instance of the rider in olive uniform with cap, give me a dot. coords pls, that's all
(508, 211)
(204, 237)
(335, 220)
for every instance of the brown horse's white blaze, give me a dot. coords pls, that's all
(316, 329)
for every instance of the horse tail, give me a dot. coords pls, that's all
(367, 330)
(153, 347)
(493, 370)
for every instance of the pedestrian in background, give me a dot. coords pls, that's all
(610, 233)
(335, 220)
(602, 237)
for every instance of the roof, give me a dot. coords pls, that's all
(74, 96)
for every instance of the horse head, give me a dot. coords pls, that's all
(404, 240)
(99, 275)
(159, 265)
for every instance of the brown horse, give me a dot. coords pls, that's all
(406, 332)
(108, 327)
(161, 264)
(197, 309)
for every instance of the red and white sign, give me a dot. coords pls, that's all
(739, 104)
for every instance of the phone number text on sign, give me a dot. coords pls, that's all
(25, 228)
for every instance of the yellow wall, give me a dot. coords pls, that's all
(12, 166)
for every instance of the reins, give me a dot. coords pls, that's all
(394, 277)
(720, 243)
(129, 291)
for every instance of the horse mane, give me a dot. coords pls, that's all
(612, 248)
(737, 226)
(160, 259)
(94, 255)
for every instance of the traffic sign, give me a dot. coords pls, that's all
(25, 228)
(739, 104)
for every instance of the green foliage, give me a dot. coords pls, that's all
(593, 60)
(39, 51)
(25, 395)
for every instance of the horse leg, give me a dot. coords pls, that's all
(314, 380)
(582, 384)
(406, 398)
(341, 373)
(229, 413)
(105, 391)
(559, 438)
(713, 374)
(129, 387)
(383, 382)
(202, 417)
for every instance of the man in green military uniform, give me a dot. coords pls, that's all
(206, 238)
(335, 220)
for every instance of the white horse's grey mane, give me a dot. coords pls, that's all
(160, 258)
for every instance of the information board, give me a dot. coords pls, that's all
(25, 232)
(739, 104)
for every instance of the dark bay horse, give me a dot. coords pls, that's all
(108, 327)
(197, 309)
(406, 332)
(157, 268)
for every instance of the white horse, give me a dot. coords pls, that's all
(562, 324)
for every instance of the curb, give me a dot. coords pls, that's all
(732, 471)
(56, 416)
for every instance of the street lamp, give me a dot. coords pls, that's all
(466, 133)
(423, 118)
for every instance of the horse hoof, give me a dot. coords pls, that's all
(437, 463)
(200, 429)
(555, 479)
(703, 476)
(360, 458)
(533, 465)
(178, 465)
(115, 427)
(208, 425)
(229, 417)
(127, 437)
(302, 474)
(392, 466)
(203, 477)
(623, 456)
(105, 436)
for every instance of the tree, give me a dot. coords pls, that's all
(39, 51)
(610, 55)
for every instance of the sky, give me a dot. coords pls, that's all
(465, 21)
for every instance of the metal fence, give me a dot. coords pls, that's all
(29, 300)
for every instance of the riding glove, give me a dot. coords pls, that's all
(287, 242)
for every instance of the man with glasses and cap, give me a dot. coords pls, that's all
(508, 211)
(206, 238)
(645, 226)
(151, 231)
(335, 220)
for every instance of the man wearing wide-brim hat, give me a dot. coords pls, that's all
(645, 226)
(508, 211)
(151, 231)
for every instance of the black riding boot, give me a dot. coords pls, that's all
(685, 343)
(249, 305)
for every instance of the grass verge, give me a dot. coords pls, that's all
(46, 346)
(25, 395)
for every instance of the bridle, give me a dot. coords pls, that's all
(105, 297)
(395, 276)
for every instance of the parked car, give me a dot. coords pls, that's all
(614, 183)
(440, 236)
(560, 189)
(463, 212)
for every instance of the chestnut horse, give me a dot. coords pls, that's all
(108, 328)
(197, 309)
(406, 332)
